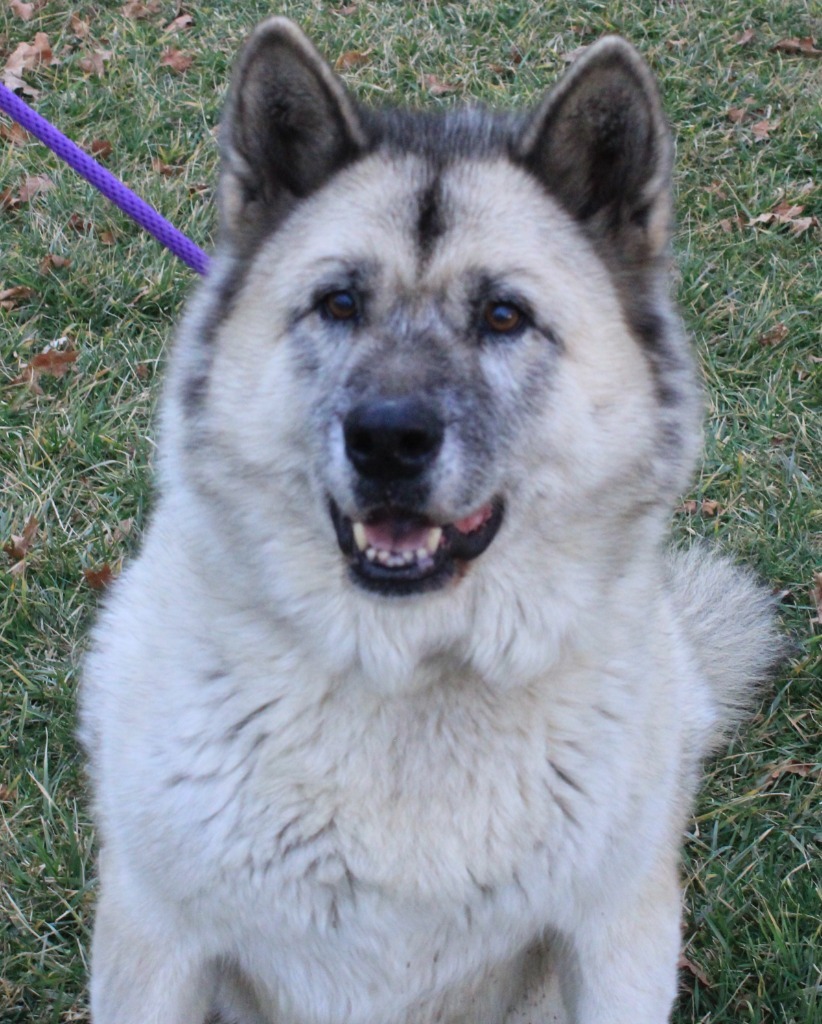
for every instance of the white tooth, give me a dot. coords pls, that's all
(408, 557)
(421, 554)
(360, 538)
(432, 541)
(370, 554)
(383, 556)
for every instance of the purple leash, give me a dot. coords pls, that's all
(112, 188)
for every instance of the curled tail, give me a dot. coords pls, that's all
(731, 622)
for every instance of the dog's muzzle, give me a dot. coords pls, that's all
(395, 548)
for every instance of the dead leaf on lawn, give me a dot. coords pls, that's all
(774, 336)
(33, 186)
(51, 261)
(94, 63)
(437, 87)
(14, 133)
(803, 47)
(573, 55)
(694, 970)
(180, 23)
(351, 59)
(101, 148)
(17, 546)
(745, 38)
(10, 298)
(79, 27)
(785, 213)
(136, 10)
(177, 60)
(801, 768)
(347, 10)
(54, 362)
(25, 12)
(707, 507)
(77, 222)
(27, 57)
(99, 579)
(762, 129)
(737, 114)
(167, 170)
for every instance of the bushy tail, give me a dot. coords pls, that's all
(730, 619)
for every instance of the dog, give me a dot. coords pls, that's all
(398, 716)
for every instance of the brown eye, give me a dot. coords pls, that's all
(503, 317)
(340, 305)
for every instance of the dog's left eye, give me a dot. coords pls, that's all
(341, 305)
(503, 318)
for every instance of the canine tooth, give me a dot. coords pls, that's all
(360, 538)
(432, 541)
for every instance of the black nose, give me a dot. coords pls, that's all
(393, 438)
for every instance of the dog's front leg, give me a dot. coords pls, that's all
(619, 966)
(141, 975)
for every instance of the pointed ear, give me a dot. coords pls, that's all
(600, 144)
(288, 126)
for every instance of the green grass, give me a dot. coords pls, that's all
(78, 456)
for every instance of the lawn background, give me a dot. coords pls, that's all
(77, 457)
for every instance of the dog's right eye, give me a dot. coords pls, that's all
(341, 305)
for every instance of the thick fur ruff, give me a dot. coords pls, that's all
(398, 715)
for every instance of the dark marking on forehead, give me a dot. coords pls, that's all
(430, 220)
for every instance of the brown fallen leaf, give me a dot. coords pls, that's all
(800, 768)
(79, 224)
(51, 261)
(99, 579)
(762, 129)
(774, 336)
(8, 199)
(53, 362)
(745, 38)
(7, 795)
(785, 213)
(737, 114)
(177, 60)
(101, 148)
(181, 22)
(25, 12)
(94, 63)
(79, 27)
(27, 57)
(14, 133)
(347, 10)
(694, 970)
(167, 170)
(10, 298)
(106, 237)
(797, 47)
(437, 87)
(351, 59)
(17, 546)
(136, 10)
(707, 507)
(32, 186)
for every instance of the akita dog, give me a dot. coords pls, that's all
(398, 716)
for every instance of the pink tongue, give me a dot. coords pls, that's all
(396, 535)
(474, 521)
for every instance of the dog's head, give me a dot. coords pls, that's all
(428, 338)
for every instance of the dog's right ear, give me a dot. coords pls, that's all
(288, 126)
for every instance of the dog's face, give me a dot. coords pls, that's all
(434, 339)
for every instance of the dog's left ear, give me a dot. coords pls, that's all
(600, 143)
(288, 126)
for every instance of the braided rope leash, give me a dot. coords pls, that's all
(112, 188)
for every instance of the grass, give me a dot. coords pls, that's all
(78, 456)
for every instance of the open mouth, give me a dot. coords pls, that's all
(393, 551)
